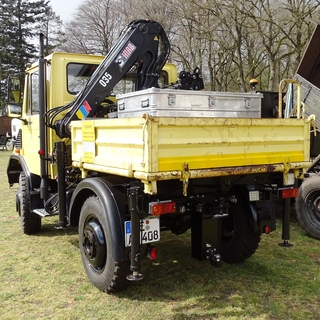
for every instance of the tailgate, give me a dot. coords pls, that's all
(157, 144)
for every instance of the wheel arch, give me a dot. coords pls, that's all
(261, 212)
(105, 192)
(16, 165)
(239, 239)
(243, 192)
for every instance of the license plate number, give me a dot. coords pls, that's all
(150, 231)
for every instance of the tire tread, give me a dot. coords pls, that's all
(30, 222)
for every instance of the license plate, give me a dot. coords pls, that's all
(150, 231)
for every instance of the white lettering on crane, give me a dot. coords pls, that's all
(128, 50)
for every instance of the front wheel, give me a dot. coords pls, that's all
(96, 248)
(30, 222)
(308, 206)
(238, 239)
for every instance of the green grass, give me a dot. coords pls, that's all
(41, 277)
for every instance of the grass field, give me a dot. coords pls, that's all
(41, 277)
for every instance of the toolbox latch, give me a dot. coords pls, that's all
(211, 101)
(145, 103)
(121, 106)
(248, 102)
(171, 99)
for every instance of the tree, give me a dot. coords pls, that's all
(298, 27)
(95, 27)
(230, 40)
(51, 26)
(19, 21)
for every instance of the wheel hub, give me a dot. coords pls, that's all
(313, 207)
(94, 244)
(316, 204)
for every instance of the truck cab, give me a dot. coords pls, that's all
(65, 75)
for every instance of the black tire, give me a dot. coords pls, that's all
(96, 249)
(238, 239)
(30, 222)
(308, 206)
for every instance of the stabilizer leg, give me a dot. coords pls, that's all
(133, 196)
(286, 224)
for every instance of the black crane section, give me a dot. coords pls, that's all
(143, 45)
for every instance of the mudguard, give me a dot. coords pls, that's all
(106, 193)
(16, 164)
(263, 215)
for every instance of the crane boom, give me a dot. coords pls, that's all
(144, 45)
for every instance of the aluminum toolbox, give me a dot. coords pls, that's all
(188, 103)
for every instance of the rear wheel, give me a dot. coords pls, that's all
(238, 240)
(96, 249)
(308, 206)
(30, 222)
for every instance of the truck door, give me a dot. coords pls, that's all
(30, 127)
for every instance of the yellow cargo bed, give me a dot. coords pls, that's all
(162, 148)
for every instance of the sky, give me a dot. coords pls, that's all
(65, 8)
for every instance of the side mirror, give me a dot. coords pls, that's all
(13, 111)
(14, 90)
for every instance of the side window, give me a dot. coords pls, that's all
(33, 94)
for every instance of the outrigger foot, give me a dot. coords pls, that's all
(135, 276)
(285, 244)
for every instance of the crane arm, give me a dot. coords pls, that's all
(143, 44)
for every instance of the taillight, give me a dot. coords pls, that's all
(288, 193)
(162, 207)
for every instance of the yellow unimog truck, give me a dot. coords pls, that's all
(124, 149)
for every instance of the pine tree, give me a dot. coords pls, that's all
(51, 27)
(19, 20)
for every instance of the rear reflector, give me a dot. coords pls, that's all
(162, 207)
(288, 193)
(152, 253)
(266, 229)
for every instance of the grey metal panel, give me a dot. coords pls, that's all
(310, 96)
